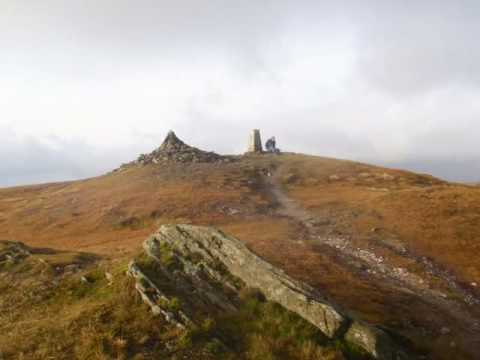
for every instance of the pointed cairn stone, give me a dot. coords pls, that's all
(175, 150)
(172, 143)
(255, 143)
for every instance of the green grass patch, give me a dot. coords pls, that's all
(265, 330)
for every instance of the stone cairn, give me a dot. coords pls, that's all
(175, 150)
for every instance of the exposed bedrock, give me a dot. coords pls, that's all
(200, 251)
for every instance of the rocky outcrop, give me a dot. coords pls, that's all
(374, 341)
(155, 298)
(209, 267)
(214, 246)
(12, 252)
(175, 150)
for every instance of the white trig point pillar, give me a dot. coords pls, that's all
(255, 143)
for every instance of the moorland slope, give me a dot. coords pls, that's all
(392, 248)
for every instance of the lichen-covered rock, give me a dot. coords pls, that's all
(208, 267)
(12, 252)
(374, 341)
(154, 297)
(213, 246)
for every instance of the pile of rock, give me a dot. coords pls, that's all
(175, 150)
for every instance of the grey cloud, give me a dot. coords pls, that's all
(451, 169)
(392, 82)
(414, 47)
(28, 161)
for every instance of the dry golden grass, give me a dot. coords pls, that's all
(432, 218)
(111, 215)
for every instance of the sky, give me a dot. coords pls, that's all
(88, 85)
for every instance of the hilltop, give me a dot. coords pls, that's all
(391, 248)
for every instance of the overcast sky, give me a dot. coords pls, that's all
(86, 85)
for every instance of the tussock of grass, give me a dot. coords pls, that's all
(262, 330)
(79, 320)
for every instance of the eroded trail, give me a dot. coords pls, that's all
(458, 303)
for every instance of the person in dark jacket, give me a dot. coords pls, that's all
(271, 145)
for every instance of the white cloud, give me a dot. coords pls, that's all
(380, 81)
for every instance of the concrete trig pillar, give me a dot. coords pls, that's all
(255, 143)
